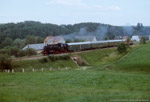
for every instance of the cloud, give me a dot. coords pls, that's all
(82, 5)
(107, 8)
(67, 2)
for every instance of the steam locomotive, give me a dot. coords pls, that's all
(55, 49)
(80, 46)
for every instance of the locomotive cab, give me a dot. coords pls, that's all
(55, 49)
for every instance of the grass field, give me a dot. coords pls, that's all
(137, 60)
(84, 85)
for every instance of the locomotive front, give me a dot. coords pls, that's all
(55, 49)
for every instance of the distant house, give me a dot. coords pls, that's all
(86, 38)
(136, 38)
(125, 38)
(118, 37)
(37, 47)
(54, 40)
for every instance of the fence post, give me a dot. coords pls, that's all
(23, 70)
(66, 68)
(8, 70)
(84, 68)
(33, 70)
(50, 69)
(42, 69)
(12, 71)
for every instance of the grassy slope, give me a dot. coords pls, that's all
(99, 58)
(77, 85)
(29, 64)
(137, 60)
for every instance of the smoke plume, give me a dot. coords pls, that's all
(99, 33)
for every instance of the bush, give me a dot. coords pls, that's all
(13, 51)
(5, 62)
(4, 51)
(122, 48)
(128, 41)
(30, 52)
(21, 53)
(43, 60)
(66, 57)
(54, 58)
(143, 40)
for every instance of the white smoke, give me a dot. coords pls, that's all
(100, 33)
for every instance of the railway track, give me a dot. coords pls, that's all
(62, 54)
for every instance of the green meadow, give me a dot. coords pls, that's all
(109, 76)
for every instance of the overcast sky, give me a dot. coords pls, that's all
(115, 12)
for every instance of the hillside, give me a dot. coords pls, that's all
(96, 84)
(23, 29)
(136, 61)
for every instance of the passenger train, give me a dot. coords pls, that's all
(80, 46)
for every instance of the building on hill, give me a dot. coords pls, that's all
(121, 37)
(37, 47)
(125, 38)
(118, 37)
(136, 38)
(86, 38)
(54, 40)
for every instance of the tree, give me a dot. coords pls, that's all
(5, 62)
(13, 51)
(139, 29)
(139, 26)
(122, 48)
(69, 41)
(21, 53)
(7, 42)
(19, 43)
(128, 41)
(39, 39)
(30, 39)
(143, 40)
(30, 52)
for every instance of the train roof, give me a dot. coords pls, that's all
(34, 46)
(105, 41)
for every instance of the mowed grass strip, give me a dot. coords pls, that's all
(70, 86)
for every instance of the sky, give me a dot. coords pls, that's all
(114, 12)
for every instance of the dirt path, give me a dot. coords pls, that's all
(29, 58)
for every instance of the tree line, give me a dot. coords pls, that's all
(34, 32)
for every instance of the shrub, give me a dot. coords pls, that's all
(5, 62)
(13, 51)
(21, 53)
(122, 48)
(54, 58)
(43, 60)
(143, 40)
(4, 51)
(66, 57)
(30, 52)
(128, 41)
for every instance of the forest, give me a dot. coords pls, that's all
(29, 32)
